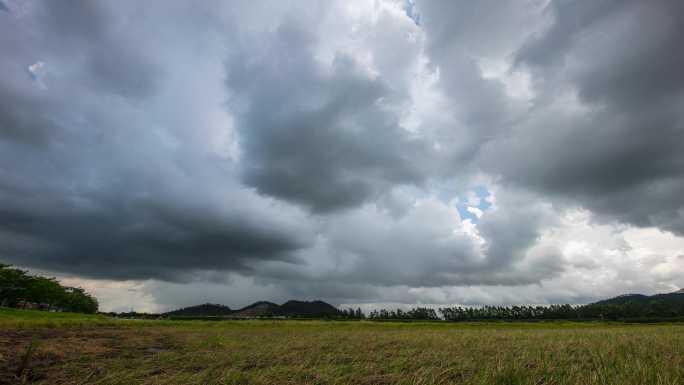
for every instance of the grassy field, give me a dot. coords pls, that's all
(49, 348)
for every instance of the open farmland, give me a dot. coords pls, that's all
(74, 349)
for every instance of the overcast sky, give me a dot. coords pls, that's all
(170, 153)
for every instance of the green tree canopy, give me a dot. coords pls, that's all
(18, 288)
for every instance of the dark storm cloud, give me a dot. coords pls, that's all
(325, 138)
(90, 183)
(135, 213)
(22, 118)
(620, 151)
(89, 47)
(460, 35)
(424, 248)
(324, 149)
(318, 136)
(631, 50)
(105, 176)
(510, 233)
(107, 237)
(95, 34)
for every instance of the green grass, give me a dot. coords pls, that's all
(16, 318)
(75, 349)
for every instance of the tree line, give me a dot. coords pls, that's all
(510, 312)
(21, 290)
(418, 313)
(351, 314)
(631, 310)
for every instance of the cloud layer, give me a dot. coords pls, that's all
(359, 152)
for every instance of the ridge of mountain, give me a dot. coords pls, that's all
(675, 297)
(206, 309)
(291, 308)
(309, 308)
(259, 309)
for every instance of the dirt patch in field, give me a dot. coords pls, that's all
(40, 355)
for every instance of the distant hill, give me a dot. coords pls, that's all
(259, 309)
(669, 299)
(623, 299)
(309, 309)
(207, 309)
(292, 308)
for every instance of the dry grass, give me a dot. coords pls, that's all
(317, 352)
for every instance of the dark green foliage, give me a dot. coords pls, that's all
(566, 312)
(419, 313)
(351, 314)
(19, 289)
(633, 306)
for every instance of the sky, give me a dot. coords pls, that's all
(364, 152)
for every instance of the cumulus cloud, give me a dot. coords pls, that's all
(607, 127)
(354, 151)
(97, 185)
(324, 134)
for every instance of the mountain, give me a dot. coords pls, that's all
(309, 309)
(674, 298)
(623, 299)
(207, 309)
(259, 309)
(292, 308)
